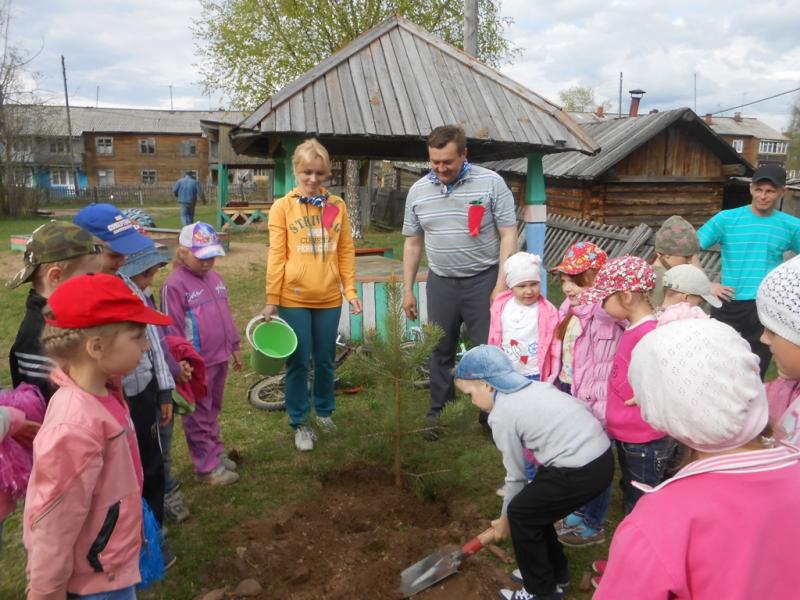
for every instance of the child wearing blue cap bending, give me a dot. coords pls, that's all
(572, 453)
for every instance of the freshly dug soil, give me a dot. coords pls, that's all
(353, 543)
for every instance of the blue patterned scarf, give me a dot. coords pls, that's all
(318, 200)
(448, 187)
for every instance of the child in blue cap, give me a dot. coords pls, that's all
(573, 458)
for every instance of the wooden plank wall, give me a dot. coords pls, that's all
(127, 162)
(671, 153)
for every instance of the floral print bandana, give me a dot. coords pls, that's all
(581, 257)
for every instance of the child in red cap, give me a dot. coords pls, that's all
(82, 524)
(587, 340)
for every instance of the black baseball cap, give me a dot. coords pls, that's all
(775, 174)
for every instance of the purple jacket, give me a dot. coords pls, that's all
(594, 354)
(200, 313)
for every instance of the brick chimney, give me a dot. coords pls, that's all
(636, 98)
(708, 119)
(737, 117)
(600, 111)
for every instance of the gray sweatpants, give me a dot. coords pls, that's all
(452, 301)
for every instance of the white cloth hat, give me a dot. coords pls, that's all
(522, 267)
(778, 301)
(698, 381)
(689, 279)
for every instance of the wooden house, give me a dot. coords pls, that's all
(756, 141)
(649, 167)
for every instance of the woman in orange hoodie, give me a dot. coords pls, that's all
(311, 265)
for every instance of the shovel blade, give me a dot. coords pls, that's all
(429, 571)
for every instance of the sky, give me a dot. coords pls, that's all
(740, 51)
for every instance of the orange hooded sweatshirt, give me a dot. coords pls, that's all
(311, 253)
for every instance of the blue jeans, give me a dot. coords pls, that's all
(128, 593)
(316, 330)
(187, 213)
(594, 512)
(646, 463)
(165, 436)
(530, 468)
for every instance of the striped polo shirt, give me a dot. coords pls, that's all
(751, 245)
(441, 217)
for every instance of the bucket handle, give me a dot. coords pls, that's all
(256, 319)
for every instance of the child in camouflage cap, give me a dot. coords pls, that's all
(56, 252)
(676, 244)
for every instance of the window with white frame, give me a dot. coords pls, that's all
(260, 172)
(58, 146)
(105, 177)
(23, 177)
(738, 145)
(772, 147)
(147, 146)
(189, 148)
(149, 176)
(60, 177)
(104, 145)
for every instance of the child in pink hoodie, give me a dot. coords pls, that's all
(778, 303)
(708, 532)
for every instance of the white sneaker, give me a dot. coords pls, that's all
(501, 491)
(304, 438)
(227, 463)
(219, 476)
(326, 424)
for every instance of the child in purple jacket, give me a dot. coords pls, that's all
(196, 298)
(588, 338)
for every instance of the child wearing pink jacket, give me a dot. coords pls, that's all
(708, 532)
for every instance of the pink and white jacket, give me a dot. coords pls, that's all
(783, 396)
(548, 321)
(82, 525)
(593, 356)
(709, 532)
(11, 419)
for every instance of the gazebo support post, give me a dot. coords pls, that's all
(536, 211)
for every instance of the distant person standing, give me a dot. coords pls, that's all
(753, 239)
(187, 190)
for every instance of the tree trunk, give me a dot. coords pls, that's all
(398, 474)
(352, 199)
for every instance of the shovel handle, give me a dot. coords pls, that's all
(478, 542)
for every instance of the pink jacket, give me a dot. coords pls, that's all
(11, 419)
(711, 534)
(781, 395)
(82, 524)
(594, 354)
(548, 321)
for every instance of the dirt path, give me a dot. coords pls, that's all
(353, 544)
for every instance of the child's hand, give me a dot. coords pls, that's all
(166, 414)
(26, 432)
(237, 360)
(186, 371)
(631, 402)
(501, 528)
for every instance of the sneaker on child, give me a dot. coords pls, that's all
(583, 535)
(304, 438)
(561, 581)
(174, 508)
(525, 595)
(326, 424)
(568, 523)
(227, 463)
(220, 476)
(169, 556)
(599, 566)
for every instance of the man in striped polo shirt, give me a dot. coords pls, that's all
(753, 239)
(463, 216)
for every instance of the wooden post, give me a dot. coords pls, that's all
(279, 179)
(289, 146)
(222, 194)
(535, 211)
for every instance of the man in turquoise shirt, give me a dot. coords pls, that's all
(753, 239)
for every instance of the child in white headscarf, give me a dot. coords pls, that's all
(708, 532)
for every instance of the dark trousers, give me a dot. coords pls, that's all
(555, 493)
(451, 302)
(646, 463)
(145, 414)
(743, 317)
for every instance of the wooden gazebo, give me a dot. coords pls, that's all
(381, 95)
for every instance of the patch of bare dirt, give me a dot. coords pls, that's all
(353, 543)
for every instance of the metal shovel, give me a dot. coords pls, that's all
(439, 565)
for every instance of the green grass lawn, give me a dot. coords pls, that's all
(274, 475)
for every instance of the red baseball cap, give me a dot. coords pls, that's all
(99, 299)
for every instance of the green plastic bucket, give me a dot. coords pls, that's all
(272, 343)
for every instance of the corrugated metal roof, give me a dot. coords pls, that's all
(52, 120)
(746, 127)
(393, 85)
(617, 139)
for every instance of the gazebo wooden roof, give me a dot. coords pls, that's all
(382, 94)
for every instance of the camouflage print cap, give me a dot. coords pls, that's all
(53, 242)
(677, 237)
